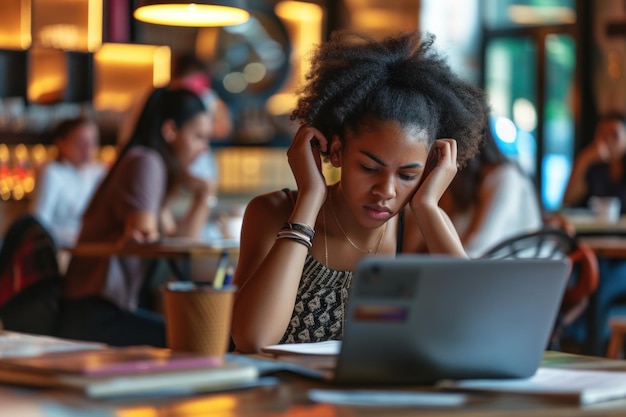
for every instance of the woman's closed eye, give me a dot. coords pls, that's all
(404, 176)
(408, 177)
(368, 169)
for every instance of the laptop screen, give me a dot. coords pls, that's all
(417, 319)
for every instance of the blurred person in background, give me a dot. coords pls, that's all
(191, 73)
(65, 186)
(131, 206)
(491, 199)
(599, 168)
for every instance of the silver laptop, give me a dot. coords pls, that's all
(419, 319)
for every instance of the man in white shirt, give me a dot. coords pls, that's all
(64, 187)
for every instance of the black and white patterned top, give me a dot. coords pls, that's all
(320, 307)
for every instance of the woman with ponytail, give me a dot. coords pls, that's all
(129, 207)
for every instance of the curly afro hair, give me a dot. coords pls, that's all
(403, 78)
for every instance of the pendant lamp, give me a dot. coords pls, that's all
(193, 14)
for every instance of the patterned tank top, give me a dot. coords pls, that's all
(318, 313)
(320, 306)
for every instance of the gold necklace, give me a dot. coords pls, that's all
(332, 208)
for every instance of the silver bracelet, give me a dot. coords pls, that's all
(300, 227)
(293, 235)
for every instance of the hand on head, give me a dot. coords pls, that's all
(440, 169)
(305, 160)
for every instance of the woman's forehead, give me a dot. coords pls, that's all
(387, 130)
(391, 142)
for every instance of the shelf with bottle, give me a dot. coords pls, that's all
(20, 164)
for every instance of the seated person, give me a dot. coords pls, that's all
(130, 206)
(191, 73)
(377, 109)
(491, 199)
(599, 168)
(65, 186)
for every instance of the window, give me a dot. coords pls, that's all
(529, 75)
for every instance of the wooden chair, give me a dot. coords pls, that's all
(615, 348)
(556, 243)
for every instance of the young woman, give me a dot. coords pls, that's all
(58, 206)
(101, 294)
(599, 168)
(397, 121)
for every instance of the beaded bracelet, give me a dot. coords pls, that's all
(299, 227)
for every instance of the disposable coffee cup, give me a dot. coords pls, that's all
(197, 317)
(606, 209)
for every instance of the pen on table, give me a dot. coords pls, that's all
(230, 272)
(220, 273)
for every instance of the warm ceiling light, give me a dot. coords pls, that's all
(199, 13)
(298, 10)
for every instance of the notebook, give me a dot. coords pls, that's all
(125, 371)
(419, 319)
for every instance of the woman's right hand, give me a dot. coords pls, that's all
(306, 162)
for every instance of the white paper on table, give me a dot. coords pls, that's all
(329, 347)
(14, 344)
(587, 386)
(387, 398)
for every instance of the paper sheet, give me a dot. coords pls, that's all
(13, 344)
(588, 386)
(330, 347)
(387, 398)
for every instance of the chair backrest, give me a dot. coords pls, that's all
(554, 243)
(28, 255)
(546, 243)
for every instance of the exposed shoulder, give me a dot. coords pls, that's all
(273, 205)
(263, 218)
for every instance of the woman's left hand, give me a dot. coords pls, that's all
(441, 167)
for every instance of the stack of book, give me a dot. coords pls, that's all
(101, 371)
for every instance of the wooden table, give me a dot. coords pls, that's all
(612, 247)
(586, 224)
(289, 399)
(170, 249)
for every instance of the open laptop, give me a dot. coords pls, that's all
(419, 319)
